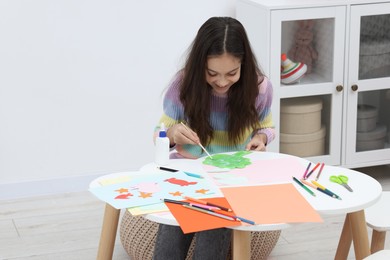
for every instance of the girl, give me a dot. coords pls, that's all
(225, 100)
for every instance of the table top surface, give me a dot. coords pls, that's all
(366, 190)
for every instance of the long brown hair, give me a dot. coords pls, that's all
(219, 35)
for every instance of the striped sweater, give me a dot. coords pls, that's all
(174, 114)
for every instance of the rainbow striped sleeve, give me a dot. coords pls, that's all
(173, 111)
(263, 105)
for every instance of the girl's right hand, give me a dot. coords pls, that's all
(179, 134)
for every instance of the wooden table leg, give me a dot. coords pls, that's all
(359, 234)
(378, 241)
(241, 245)
(345, 241)
(108, 235)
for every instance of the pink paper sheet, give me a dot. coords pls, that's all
(279, 170)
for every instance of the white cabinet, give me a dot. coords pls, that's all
(349, 80)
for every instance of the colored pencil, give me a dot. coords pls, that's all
(233, 216)
(303, 186)
(237, 217)
(319, 173)
(207, 207)
(329, 193)
(209, 212)
(245, 220)
(318, 188)
(309, 184)
(318, 185)
(176, 201)
(207, 203)
(307, 169)
(334, 195)
(315, 167)
(204, 206)
(214, 209)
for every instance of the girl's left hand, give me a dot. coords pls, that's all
(257, 143)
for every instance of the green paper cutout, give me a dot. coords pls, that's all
(229, 161)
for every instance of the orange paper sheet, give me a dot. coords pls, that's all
(270, 204)
(193, 221)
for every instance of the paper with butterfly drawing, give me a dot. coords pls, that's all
(151, 188)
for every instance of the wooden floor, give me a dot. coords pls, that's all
(67, 226)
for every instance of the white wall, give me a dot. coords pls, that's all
(81, 84)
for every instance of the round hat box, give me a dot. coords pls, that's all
(300, 115)
(366, 118)
(304, 145)
(372, 140)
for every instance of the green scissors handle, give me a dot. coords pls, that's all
(342, 180)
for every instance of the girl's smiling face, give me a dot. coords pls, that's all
(222, 72)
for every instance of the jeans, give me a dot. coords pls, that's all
(172, 244)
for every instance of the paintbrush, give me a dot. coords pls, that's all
(201, 146)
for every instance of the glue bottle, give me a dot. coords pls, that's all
(162, 147)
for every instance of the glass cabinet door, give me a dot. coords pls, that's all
(374, 49)
(306, 69)
(368, 108)
(372, 121)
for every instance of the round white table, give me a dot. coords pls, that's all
(366, 191)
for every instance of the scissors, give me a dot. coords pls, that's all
(342, 180)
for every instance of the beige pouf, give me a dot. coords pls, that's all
(138, 236)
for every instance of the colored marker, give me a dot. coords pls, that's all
(193, 175)
(307, 169)
(187, 173)
(315, 167)
(167, 169)
(319, 173)
(303, 186)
